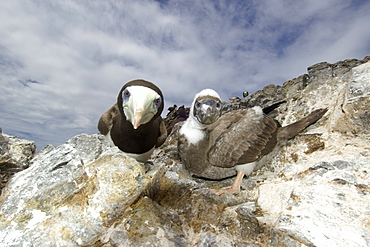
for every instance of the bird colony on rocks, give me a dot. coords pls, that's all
(307, 183)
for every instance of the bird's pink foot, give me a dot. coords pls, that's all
(225, 190)
(235, 188)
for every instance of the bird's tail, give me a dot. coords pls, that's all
(291, 130)
(272, 107)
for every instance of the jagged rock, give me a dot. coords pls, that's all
(70, 195)
(355, 115)
(15, 151)
(316, 191)
(3, 142)
(15, 155)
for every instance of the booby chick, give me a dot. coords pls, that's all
(239, 142)
(134, 124)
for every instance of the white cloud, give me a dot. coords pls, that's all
(81, 53)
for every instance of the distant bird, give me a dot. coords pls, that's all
(176, 116)
(181, 113)
(232, 99)
(171, 109)
(245, 94)
(239, 142)
(134, 123)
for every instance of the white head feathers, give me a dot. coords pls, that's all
(207, 92)
(204, 92)
(192, 129)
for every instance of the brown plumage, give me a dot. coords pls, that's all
(106, 120)
(134, 123)
(217, 147)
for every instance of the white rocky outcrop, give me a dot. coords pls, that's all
(316, 192)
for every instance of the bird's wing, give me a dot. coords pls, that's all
(162, 132)
(106, 120)
(241, 137)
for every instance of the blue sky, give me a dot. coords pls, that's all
(62, 63)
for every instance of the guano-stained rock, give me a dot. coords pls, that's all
(15, 155)
(316, 191)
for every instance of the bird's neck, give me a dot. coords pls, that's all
(193, 131)
(127, 126)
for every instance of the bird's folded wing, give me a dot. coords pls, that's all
(162, 132)
(240, 137)
(106, 120)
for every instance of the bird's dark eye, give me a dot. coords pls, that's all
(197, 105)
(126, 94)
(157, 102)
(218, 105)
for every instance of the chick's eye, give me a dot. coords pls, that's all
(218, 105)
(126, 94)
(157, 102)
(197, 105)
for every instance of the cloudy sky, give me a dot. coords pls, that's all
(62, 63)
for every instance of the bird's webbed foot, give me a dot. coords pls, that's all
(235, 188)
(221, 191)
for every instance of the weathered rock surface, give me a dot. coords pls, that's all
(316, 192)
(15, 155)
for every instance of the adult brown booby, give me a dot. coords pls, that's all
(239, 142)
(134, 123)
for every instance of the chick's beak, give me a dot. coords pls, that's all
(207, 117)
(209, 112)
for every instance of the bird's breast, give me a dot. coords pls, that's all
(193, 155)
